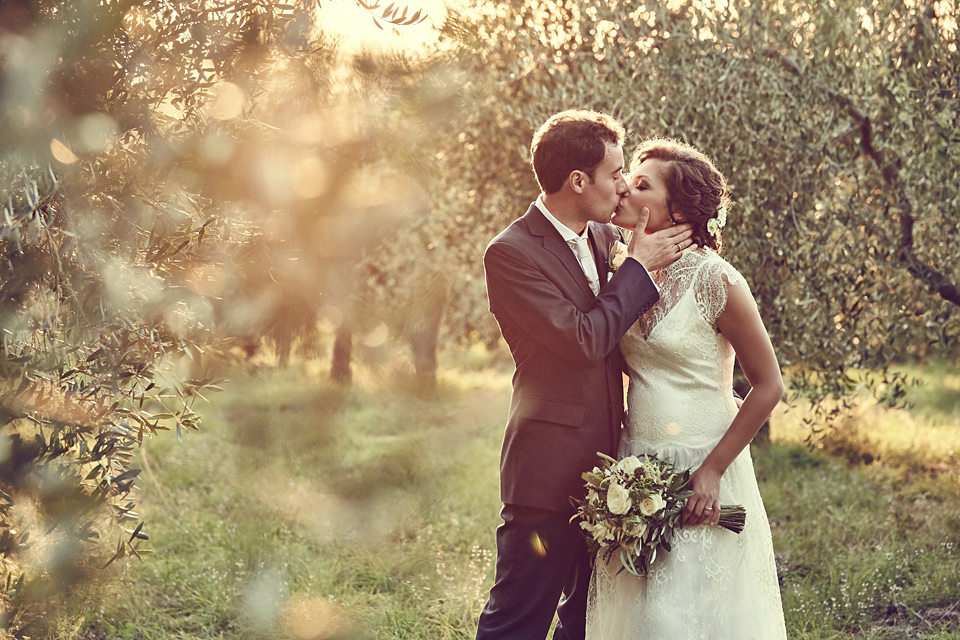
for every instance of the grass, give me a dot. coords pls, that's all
(867, 524)
(304, 510)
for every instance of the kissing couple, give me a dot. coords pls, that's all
(672, 316)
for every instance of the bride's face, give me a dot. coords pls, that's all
(646, 189)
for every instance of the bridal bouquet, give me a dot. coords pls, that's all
(634, 505)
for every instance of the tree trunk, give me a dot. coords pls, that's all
(284, 346)
(340, 370)
(423, 342)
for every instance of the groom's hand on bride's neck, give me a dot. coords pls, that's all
(660, 248)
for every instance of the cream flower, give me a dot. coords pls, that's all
(651, 504)
(715, 224)
(618, 253)
(629, 465)
(598, 531)
(618, 499)
(635, 527)
(610, 533)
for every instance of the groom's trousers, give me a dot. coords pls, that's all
(542, 567)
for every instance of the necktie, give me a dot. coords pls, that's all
(586, 263)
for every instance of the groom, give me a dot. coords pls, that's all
(562, 315)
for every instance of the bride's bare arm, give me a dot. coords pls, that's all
(741, 324)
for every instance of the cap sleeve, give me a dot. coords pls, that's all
(713, 284)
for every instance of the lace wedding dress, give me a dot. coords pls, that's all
(714, 584)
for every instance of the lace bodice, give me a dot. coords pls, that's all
(678, 360)
(700, 272)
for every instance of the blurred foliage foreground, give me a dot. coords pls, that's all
(177, 180)
(305, 510)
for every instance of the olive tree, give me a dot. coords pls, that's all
(834, 123)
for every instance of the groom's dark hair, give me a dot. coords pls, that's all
(573, 140)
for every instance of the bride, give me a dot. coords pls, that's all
(714, 584)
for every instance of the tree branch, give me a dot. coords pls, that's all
(890, 170)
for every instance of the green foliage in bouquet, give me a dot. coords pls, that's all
(635, 505)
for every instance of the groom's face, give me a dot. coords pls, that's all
(601, 195)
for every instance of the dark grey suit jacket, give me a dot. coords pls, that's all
(567, 401)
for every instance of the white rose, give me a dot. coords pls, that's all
(618, 499)
(651, 504)
(722, 216)
(712, 226)
(629, 465)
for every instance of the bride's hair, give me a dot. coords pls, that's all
(696, 190)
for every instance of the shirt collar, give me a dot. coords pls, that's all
(568, 234)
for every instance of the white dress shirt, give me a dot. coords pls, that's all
(571, 237)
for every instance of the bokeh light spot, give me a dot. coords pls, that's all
(330, 318)
(310, 618)
(263, 599)
(96, 132)
(216, 149)
(312, 178)
(61, 152)
(377, 337)
(227, 101)
(537, 544)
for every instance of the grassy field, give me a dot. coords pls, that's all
(303, 510)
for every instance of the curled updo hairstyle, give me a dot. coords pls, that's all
(573, 140)
(695, 187)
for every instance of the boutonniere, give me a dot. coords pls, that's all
(618, 253)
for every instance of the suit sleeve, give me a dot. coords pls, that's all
(521, 293)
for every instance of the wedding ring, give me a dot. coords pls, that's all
(709, 509)
(679, 248)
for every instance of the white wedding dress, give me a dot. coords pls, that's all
(714, 584)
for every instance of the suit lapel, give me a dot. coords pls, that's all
(600, 250)
(554, 243)
(603, 237)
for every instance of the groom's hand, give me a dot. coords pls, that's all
(658, 249)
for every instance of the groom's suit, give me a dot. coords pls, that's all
(567, 405)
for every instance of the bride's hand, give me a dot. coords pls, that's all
(704, 505)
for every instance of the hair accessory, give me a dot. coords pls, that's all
(715, 224)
